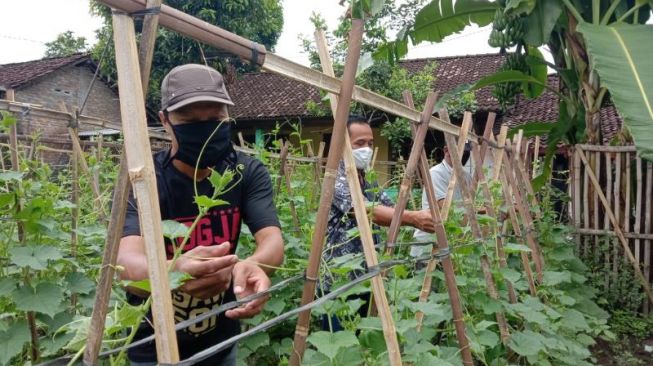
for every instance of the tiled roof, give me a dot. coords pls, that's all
(264, 95)
(454, 71)
(17, 74)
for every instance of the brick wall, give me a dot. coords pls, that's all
(67, 85)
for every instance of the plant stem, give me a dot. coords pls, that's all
(573, 11)
(629, 13)
(596, 11)
(609, 12)
(77, 356)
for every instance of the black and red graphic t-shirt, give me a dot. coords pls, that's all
(249, 200)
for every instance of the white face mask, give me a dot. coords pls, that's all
(363, 157)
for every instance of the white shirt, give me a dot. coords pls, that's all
(440, 176)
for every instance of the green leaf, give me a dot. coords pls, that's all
(10, 175)
(46, 298)
(173, 229)
(330, 343)
(505, 77)
(7, 198)
(7, 120)
(206, 202)
(554, 278)
(7, 286)
(526, 343)
(516, 248)
(25, 257)
(520, 6)
(537, 68)
(13, 340)
(541, 21)
(79, 283)
(621, 54)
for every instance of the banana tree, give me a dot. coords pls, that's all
(600, 48)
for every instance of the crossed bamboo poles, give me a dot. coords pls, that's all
(137, 168)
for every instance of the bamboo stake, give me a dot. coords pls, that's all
(77, 148)
(536, 156)
(35, 353)
(282, 166)
(326, 196)
(487, 134)
(286, 175)
(146, 46)
(617, 229)
(642, 236)
(464, 130)
(442, 246)
(627, 227)
(409, 173)
(647, 228)
(639, 186)
(586, 211)
(476, 230)
(141, 174)
(606, 222)
(256, 53)
(596, 158)
(499, 152)
(489, 206)
(525, 214)
(374, 156)
(576, 196)
(74, 217)
(241, 139)
(522, 176)
(617, 209)
(360, 212)
(512, 214)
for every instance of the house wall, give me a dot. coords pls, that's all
(67, 85)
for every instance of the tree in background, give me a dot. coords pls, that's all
(258, 20)
(65, 44)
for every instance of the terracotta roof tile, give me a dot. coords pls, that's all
(18, 74)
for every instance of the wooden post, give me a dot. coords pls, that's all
(409, 173)
(647, 228)
(286, 177)
(576, 196)
(617, 229)
(488, 133)
(476, 230)
(241, 139)
(489, 206)
(595, 157)
(13, 151)
(617, 208)
(447, 263)
(499, 153)
(118, 210)
(328, 185)
(74, 198)
(639, 186)
(525, 214)
(141, 174)
(464, 130)
(360, 212)
(606, 222)
(283, 157)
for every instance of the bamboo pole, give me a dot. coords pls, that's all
(587, 242)
(617, 209)
(527, 219)
(409, 173)
(326, 196)
(488, 133)
(606, 222)
(35, 353)
(595, 157)
(600, 232)
(489, 206)
(512, 214)
(647, 229)
(360, 212)
(146, 45)
(476, 231)
(141, 175)
(447, 263)
(241, 139)
(536, 156)
(499, 152)
(627, 207)
(286, 176)
(219, 38)
(617, 229)
(464, 131)
(576, 196)
(74, 198)
(283, 154)
(639, 186)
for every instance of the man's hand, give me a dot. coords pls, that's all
(248, 280)
(422, 220)
(211, 268)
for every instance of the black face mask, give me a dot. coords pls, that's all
(191, 137)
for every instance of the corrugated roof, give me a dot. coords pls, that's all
(15, 75)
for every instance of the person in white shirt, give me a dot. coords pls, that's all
(440, 176)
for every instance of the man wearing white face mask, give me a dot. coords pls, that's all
(341, 218)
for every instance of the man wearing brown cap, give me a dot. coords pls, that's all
(194, 104)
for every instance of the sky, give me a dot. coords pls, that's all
(26, 25)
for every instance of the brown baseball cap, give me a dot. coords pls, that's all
(192, 83)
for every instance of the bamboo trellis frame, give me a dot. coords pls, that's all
(219, 38)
